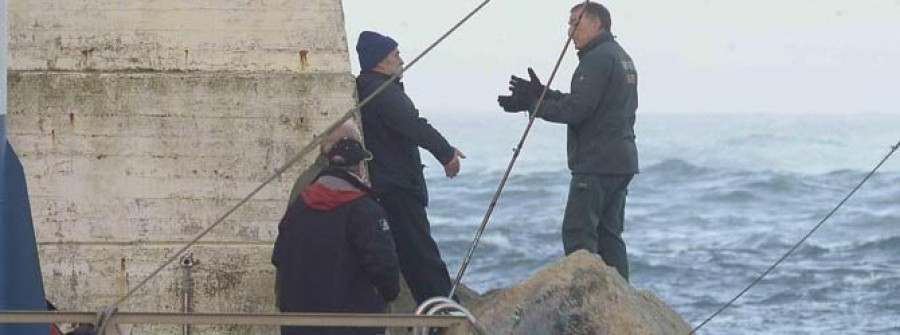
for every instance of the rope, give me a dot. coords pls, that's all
(802, 240)
(303, 152)
(102, 321)
(447, 306)
(512, 162)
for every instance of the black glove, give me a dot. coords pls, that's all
(527, 90)
(512, 103)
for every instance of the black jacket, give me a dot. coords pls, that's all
(599, 111)
(335, 254)
(393, 133)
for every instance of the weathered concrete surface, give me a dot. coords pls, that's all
(579, 295)
(228, 277)
(206, 35)
(140, 122)
(157, 157)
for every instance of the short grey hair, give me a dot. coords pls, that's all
(596, 10)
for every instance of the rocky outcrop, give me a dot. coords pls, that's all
(578, 295)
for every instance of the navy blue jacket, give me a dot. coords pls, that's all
(393, 133)
(335, 254)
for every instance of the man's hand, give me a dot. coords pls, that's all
(527, 90)
(525, 93)
(451, 169)
(512, 103)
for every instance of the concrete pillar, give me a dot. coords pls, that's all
(141, 121)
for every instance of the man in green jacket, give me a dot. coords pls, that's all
(600, 114)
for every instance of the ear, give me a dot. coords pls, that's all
(379, 67)
(597, 24)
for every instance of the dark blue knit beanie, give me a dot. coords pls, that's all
(372, 47)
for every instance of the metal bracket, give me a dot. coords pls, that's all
(187, 288)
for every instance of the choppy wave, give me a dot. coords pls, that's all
(676, 167)
(697, 235)
(890, 245)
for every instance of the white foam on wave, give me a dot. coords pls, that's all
(863, 280)
(497, 240)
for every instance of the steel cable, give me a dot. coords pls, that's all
(802, 240)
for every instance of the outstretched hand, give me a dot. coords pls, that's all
(451, 169)
(529, 90)
(534, 78)
(512, 103)
(525, 93)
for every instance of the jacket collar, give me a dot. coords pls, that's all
(379, 75)
(333, 188)
(604, 37)
(348, 177)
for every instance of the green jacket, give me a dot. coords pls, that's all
(599, 111)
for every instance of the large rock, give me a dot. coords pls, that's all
(580, 294)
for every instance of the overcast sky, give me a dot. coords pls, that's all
(722, 56)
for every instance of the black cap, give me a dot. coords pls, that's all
(347, 152)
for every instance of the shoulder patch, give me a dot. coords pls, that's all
(631, 78)
(383, 225)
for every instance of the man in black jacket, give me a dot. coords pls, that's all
(394, 132)
(334, 252)
(600, 114)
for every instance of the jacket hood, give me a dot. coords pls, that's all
(332, 189)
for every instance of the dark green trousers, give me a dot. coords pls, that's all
(595, 218)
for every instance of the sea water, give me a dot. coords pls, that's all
(719, 199)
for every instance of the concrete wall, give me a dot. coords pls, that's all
(207, 35)
(141, 122)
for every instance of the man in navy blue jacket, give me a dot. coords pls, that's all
(334, 252)
(394, 132)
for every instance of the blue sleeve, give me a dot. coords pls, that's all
(398, 114)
